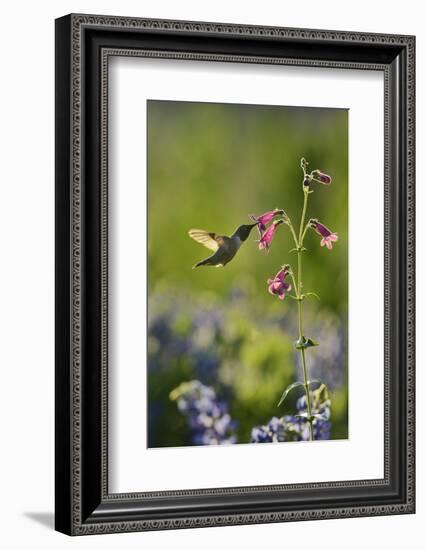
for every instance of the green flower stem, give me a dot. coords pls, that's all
(293, 232)
(299, 309)
(302, 220)
(304, 231)
(294, 285)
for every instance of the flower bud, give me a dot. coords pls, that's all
(319, 176)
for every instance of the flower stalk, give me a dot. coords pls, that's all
(279, 287)
(299, 296)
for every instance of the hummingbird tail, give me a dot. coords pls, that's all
(203, 262)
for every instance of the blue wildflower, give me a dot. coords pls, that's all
(296, 427)
(207, 416)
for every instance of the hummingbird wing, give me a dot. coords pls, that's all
(210, 240)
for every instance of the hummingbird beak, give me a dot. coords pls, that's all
(250, 227)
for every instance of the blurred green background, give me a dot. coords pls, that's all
(209, 167)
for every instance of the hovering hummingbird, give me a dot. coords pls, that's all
(224, 248)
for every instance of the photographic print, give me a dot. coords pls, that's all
(247, 274)
(211, 197)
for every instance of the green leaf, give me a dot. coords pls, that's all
(311, 343)
(299, 384)
(304, 343)
(288, 390)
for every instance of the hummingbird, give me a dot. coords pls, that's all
(224, 248)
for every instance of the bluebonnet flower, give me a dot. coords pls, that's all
(295, 427)
(181, 330)
(164, 342)
(207, 416)
(196, 338)
(321, 424)
(272, 432)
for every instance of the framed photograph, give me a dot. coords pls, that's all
(234, 274)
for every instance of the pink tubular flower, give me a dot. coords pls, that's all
(328, 238)
(278, 285)
(268, 235)
(265, 218)
(321, 177)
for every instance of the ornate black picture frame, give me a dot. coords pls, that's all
(84, 43)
